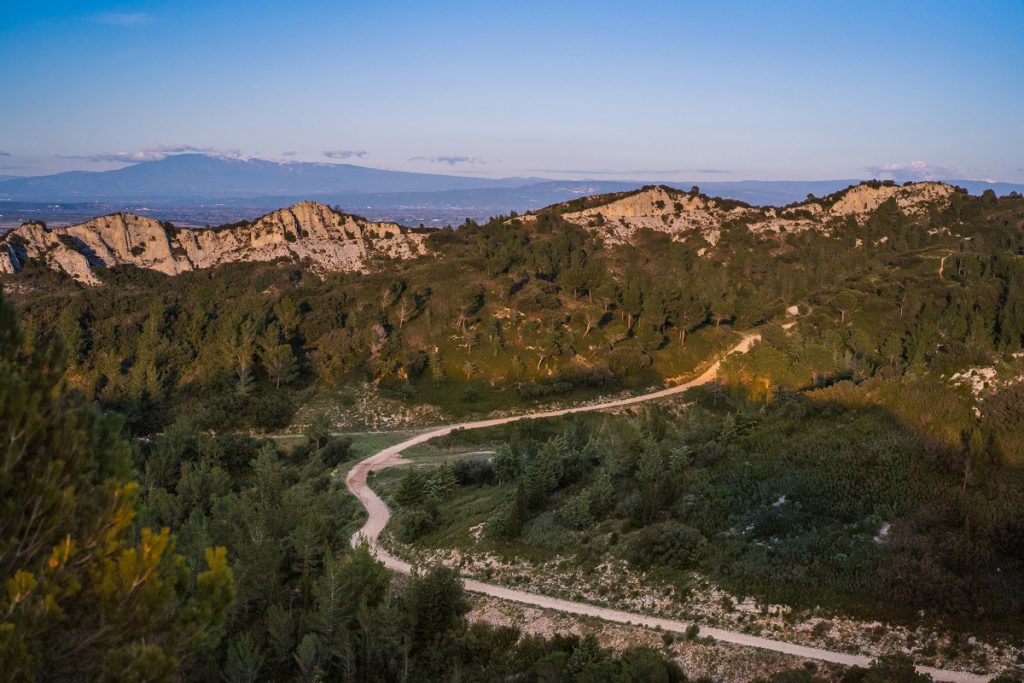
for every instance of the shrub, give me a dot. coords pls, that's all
(669, 543)
(627, 361)
(336, 451)
(894, 668)
(414, 523)
(473, 472)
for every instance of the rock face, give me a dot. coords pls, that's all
(658, 208)
(686, 215)
(310, 232)
(912, 199)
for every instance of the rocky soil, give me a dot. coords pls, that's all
(698, 657)
(614, 583)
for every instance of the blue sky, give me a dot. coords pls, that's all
(658, 90)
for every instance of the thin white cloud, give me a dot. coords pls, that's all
(123, 18)
(158, 153)
(451, 160)
(911, 170)
(633, 172)
(344, 153)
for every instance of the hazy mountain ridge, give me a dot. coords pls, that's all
(199, 189)
(191, 176)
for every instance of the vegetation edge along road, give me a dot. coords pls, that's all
(378, 515)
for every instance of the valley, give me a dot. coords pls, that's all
(709, 425)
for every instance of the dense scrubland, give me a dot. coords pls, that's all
(849, 460)
(807, 503)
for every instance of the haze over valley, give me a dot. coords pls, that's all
(198, 189)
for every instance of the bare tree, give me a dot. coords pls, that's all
(405, 311)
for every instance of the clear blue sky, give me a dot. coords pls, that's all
(660, 90)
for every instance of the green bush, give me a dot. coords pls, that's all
(669, 544)
(414, 523)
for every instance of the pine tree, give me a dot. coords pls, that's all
(244, 661)
(238, 345)
(507, 465)
(632, 298)
(442, 482)
(85, 597)
(289, 317)
(413, 488)
(435, 604)
(277, 358)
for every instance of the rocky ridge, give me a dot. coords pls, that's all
(686, 214)
(329, 240)
(315, 233)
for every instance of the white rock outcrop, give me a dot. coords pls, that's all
(912, 199)
(656, 208)
(683, 215)
(314, 233)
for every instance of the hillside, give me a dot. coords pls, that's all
(605, 291)
(690, 215)
(601, 293)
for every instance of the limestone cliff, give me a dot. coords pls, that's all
(657, 208)
(314, 233)
(686, 215)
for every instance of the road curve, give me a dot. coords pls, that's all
(378, 515)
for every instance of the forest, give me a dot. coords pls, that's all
(153, 530)
(208, 558)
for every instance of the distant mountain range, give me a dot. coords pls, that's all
(197, 188)
(199, 176)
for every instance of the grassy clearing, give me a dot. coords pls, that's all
(365, 444)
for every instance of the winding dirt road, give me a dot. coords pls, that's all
(378, 515)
